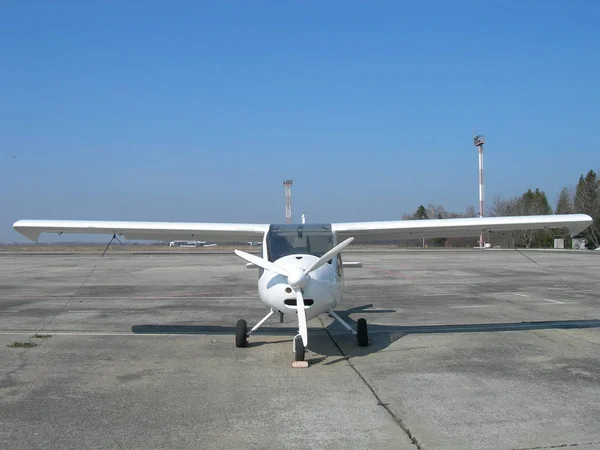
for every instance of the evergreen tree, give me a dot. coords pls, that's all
(565, 203)
(536, 203)
(528, 204)
(420, 213)
(439, 242)
(587, 201)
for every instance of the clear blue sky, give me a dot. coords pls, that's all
(196, 111)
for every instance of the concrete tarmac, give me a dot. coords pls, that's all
(469, 350)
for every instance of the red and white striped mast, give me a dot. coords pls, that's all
(287, 186)
(479, 140)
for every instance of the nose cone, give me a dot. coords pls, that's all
(297, 278)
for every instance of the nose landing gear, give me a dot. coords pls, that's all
(299, 349)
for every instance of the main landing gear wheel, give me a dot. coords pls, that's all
(241, 333)
(362, 333)
(299, 351)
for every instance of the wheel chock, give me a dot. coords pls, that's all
(299, 364)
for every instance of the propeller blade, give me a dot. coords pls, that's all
(302, 326)
(260, 262)
(330, 254)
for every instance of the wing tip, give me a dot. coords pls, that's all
(30, 233)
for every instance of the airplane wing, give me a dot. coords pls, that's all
(230, 232)
(440, 228)
(213, 232)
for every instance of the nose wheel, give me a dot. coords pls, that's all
(299, 349)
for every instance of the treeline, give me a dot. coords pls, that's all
(583, 198)
(439, 212)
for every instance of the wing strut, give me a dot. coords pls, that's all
(110, 242)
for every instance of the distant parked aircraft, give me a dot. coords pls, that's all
(190, 244)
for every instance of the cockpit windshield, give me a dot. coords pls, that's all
(283, 240)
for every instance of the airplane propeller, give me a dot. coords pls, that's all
(260, 262)
(297, 278)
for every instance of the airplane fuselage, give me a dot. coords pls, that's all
(323, 292)
(326, 285)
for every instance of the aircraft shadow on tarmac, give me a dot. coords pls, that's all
(380, 336)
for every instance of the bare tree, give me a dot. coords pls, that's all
(504, 207)
(435, 211)
(470, 212)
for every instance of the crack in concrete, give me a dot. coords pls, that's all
(380, 402)
(558, 446)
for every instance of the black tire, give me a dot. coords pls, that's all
(361, 332)
(241, 333)
(300, 350)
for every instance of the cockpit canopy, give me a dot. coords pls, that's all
(308, 239)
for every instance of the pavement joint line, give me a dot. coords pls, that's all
(441, 294)
(557, 303)
(472, 306)
(520, 295)
(558, 446)
(553, 301)
(83, 333)
(102, 333)
(131, 333)
(380, 402)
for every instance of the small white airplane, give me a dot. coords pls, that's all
(190, 244)
(301, 272)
